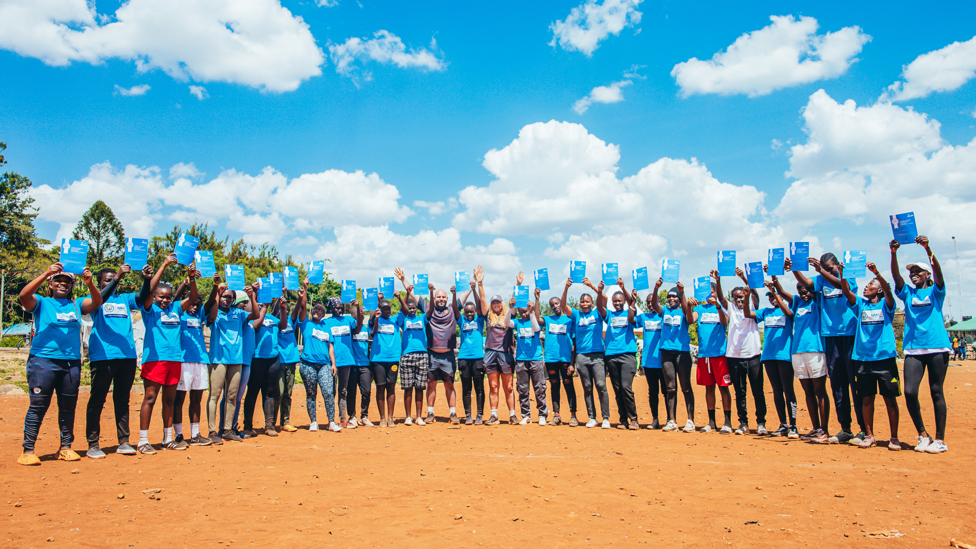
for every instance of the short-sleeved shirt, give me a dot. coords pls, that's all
(620, 333)
(57, 328)
(472, 338)
(806, 326)
(651, 323)
(111, 335)
(163, 327)
(386, 341)
(777, 333)
(837, 315)
(559, 338)
(924, 323)
(360, 348)
(711, 332)
(414, 332)
(227, 336)
(249, 343)
(288, 344)
(743, 335)
(315, 341)
(266, 338)
(340, 328)
(674, 331)
(528, 346)
(192, 342)
(589, 331)
(875, 334)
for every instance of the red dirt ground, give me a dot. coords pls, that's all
(496, 486)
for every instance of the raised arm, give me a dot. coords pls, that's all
(212, 299)
(27, 299)
(780, 291)
(538, 314)
(109, 288)
(170, 259)
(656, 302)
(747, 310)
(899, 281)
(827, 275)
(479, 275)
(800, 277)
(254, 304)
(684, 303)
(94, 300)
(722, 317)
(359, 317)
(889, 299)
(147, 274)
(720, 295)
(279, 307)
(194, 293)
(454, 303)
(939, 280)
(567, 310)
(844, 286)
(258, 310)
(301, 308)
(430, 298)
(508, 313)
(780, 302)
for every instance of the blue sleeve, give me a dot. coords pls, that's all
(818, 282)
(130, 301)
(903, 293)
(37, 306)
(761, 314)
(889, 312)
(853, 284)
(795, 303)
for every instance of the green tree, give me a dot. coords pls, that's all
(104, 233)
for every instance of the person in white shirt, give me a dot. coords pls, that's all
(743, 354)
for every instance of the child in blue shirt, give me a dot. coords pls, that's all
(529, 366)
(621, 354)
(651, 325)
(712, 369)
(384, 358)
(471, 352)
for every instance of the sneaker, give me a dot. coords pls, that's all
(793, 433)
(420, 421)
(365, 422)
(478, 421)
(725, 430)
(841, 437)
(867, 442)
(493, 420)
(556, 420)
(314, 426)
(606, 424)
(821, 437)
(542, 421)
(923, 443)
(215, 439)
(430, 418)
(468, 420)
(408, 421)
(125, 449)
(573, 422)
(352, 424)
(761, 430)
(28, 459)
(654, 424)
(894, 444)
(270, 432)
(742, 429)
(231, 436)
(67, 454)
(525, 421)
(689, 427)
(811, 434)
(200, 441)
(670, 427)
(146, 449)
(173, 445)
(334, 428)
(248, 433)
(289, 428)
(591, 424)
(634, 426)
(512, 420)
(455, 420)
(781, 432)
(706, 429)
(937, 447)
(858, 438)
(95, 452)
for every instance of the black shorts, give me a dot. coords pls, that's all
(558, 371)
(499, 362)
(384, 373)
(442, 367)
(471, 367)
(878, 376)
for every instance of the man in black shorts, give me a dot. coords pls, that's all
(442, 321)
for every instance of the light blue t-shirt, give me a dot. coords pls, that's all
(620, 333)
(924, 324)
(191, 337)
(386, 342)
(414, 332)
(777, 333)
(806, 326)
(528, 346)
(227, 337)
(266, 338)
(249, 343)
(875, 334)
(360, 348)
(559, 338)
(288, 344)
(652, 324)
(472, 338)
(674, 333)
(589, 331)
(315, 341)
(57, 328)
(837, 316)
(711, 332)
(340, 328)
(111, 335)
(163, 328)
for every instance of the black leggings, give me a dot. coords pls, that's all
(677, 369)
(264, 378)
(472, 376)
(360, 377)
(558, 373)
(780, 373)
(655, 388)
(915, 365)
(748, 371)
(45, 377)
(104, 373)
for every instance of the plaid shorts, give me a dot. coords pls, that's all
(413, 370)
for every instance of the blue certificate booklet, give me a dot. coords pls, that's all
(855, 264)
(754, 275)
(386, 286)
(291, 278)
(204, 261)
(799, 253)
(641, 281)
(74, 255)
(542, 279)
(234, 277)
(462, 281)
(186, 245)
(265, 295)
(670, 270)
(703, 288)
(726, 263)
(316, 272)
(371, 300)
(577, 271)
(137, 253)
(276, 282)
(420, 283)
(521, 296)
(610, 275)
(348, 291)
(903, 228)
(776, 261)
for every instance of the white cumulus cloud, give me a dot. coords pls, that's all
(199, 92)
(786, 53)
(602, 94)
(385, 47)
(936, 71)
(592, 22)
(141, 89)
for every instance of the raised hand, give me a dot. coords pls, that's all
(454, 290)
(124, 269)
(873, 268)
(430, 286)
(787, 264)
(894, 245)
(55, 268)
(86, 275)
(170, 259)
(680, 287)
(538, 293)
(479, 274)
(923, 241)
(147, 271)
(398, 272)
(473, 284)
(815, 263)
(519, 279)
(569, 282)
(714, 274)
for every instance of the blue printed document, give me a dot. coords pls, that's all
(74, 255)
(521, 296)
(754, 275)
(776, 261)
(276, 282)
(291, 278)
(542, 279)
(855, 264)
(204, 261)
(462, 280)
(316, 272)
(265, 295)
(137, 253)
(186, 244)
(577, 271)
(610, 275)
(641, 281)
(903, 228)
(371, 299)
(670, 270)
(234, 277)
(703, 288)
(348, 291)
(799, 253)
(386, 286)
(420, 283)
(726, 263)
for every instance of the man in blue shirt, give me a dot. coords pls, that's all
(559, 342)
(471, 353)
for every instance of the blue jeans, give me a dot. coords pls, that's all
(316, 376)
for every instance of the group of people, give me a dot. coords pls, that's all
(824, 330)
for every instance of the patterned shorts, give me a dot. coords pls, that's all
(413, 370)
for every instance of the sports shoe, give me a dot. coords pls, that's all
(811, 434)
(820, 437)
(95, 452)
(146, 449)
(742, 429)
(525, 421)
(689, 427)
(858, 438)
(573, 422)
(793, 433)
(512, 420)
(478, 421)
(314, 426)
(408, 421)
(173, 445)
(455, 420)
(923, 443)
(706, 429)
(654, 424)
(781, 432)
(591, 423)
(200, 441)
(725, 430)
(248, 433)
(334, 427)
(270, 432)
(289, 428)
(125, 449)
(493, 420)
(231, 436)
(215, 439)
(937, 447)
(28, 459)
(894, 444)
(606, 424)
(431, 418)
(542, 421)
(841, 437)
(634, 426)
(761, 430)
(420, 421)
(556, 420)
(468, 420)
(671, 426)
(365, 422)
(67, 454)
(352, 424)
(867, 442)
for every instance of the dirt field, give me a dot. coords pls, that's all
(496, 486)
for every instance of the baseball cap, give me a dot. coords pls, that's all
(920, 266)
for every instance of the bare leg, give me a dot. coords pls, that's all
(450, 394)
(493, 390)
(868, 411)
(148, 401)
(407, 393)
(169, 396)
(507, 387)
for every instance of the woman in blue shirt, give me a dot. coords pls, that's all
(588, 324)
(529, 366)
(621, 355)
(194, 378)
(342, 328)
(559, 341)
(264, 369)
(651, 323)
(288, 357)
(777, 339)
(317, 361)
(926, 342)
(54, 363)
(384, 357)
(676, 356)
(471, 353)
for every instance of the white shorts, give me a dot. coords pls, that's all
(193, 377)
(809, 365)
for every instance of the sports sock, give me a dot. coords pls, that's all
(453, 410)
(167, 434)
(494, 412)
(511, 413)
(194, 430)
(430, 409)
(143, 437)
(178, 427)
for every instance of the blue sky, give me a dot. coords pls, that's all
(319, 128)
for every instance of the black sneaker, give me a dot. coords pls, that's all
(231, 436)
(200, 441)
(248, 433)
(781, 432)
(216, 439)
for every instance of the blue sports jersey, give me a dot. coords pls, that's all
(163, 327)
(777, 333)
(191, 337)
(806, 326)
(652, 324)
(674, 333)
(57, 328)
(266, 338)
(472, 338)
(559, 338)
(414, 332)
(924, 322)
(711, 332)
(340, 328)
(315, 341)
(837, 316)
(360, 348)
(875, 335)
(288, 344)
(111, 335)
(589, 331)
(620, 333)
(387, 345)
(528, 346)
(227, 337)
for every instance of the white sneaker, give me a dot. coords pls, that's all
(591, 423)
(937, 447)
(334, 427)
(670, 426)
(524, 421)
(420, 421)
(706, 429)
(351, 424)
(313, 427)
(408, 421)
(542, 421)
(366, 422)
(606, 424)
(689, 427)
(923, 443)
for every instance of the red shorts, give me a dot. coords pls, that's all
(163, 372)
(714, 371)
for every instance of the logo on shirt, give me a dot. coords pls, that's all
(872, 316)
(115, 310)
(558, 329)
(193, 323)
(470, 327)
(339, 331)
(361, 336)
(927, 302)
(526, 332)
(320, 335)
(832, 293)
(169, 319)
(387, 329)
(652, 325)
(66, 317)
(416, 325)
(708, 318)
(586, 321)
(801, 312)
(268, 323)
(672, 320)
(618, 322)
(778, 321)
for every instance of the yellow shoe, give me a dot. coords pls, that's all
(67, 454)
(29, 459)
(289, 428)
